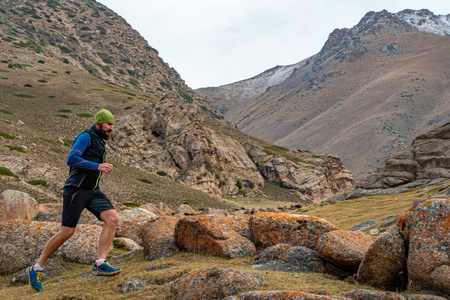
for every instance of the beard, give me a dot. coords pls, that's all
(104, 134)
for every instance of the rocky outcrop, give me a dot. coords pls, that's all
(21, 241)
(311, 176)
(214, 283)
(268, 229)
(426, 230)
(211, 235)
(131, 223)
(173, 138)
(384, 260)
(345, 249)
(158, 238)
(427, 158)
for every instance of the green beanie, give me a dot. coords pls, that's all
(103, 116)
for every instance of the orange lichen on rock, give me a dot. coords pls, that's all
(344, 248)
(286, 295)
(429, 245)
(158, 238)
(211, 235)
(214, 283)
(268, 229)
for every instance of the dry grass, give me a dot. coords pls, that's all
(71, 286)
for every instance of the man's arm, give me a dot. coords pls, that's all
(75, 160)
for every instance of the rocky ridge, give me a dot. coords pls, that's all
(345, 94)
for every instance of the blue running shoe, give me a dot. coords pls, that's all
(34, 277)
(105, 269)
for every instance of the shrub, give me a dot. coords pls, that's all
(239, 184)
(241, 192)
(7, 112)
(27, 85)
(6, 136)
(41, 61)
(161, 173)
(42, 80)
(128, 107)
(15, 148)
(131, 204)
(65, 110)
(190, 201)
(62, 116)
(23, 96)
(84, 115)
(6, 172)
(145, 180)
(38, 182)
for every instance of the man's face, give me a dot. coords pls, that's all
(106, 129)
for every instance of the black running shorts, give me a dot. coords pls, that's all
(75, 200)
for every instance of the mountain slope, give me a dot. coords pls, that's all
(55, 76)
(366, 94)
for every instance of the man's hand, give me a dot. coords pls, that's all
(105, 168)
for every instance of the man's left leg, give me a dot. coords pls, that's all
(101, 267)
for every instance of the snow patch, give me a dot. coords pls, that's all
(425, 21)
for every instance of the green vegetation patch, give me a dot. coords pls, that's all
(190, 201)
(145, 180)
(6, 136)
(6, 172)
(15, 148)
(131, 204)
(161, 173)
(24, 96)
(73, 103)
(276, 148)
(49, 141)
(64, 110)
(61, 116)
(6, 112)
(84, 115)
(38, 182)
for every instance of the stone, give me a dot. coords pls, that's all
(268, 229)
(345, 249)
(384, 261)
(214, 283)
(133, 284)
(211, 235)
(286, 258)
(364, 225)
(17, 205)
(21, 242)
(158, 238)
(240, 224)
(126, 244)
(427, 231)
(131, 223)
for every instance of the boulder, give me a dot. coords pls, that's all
(133, 285)
(21, 242)
(131, 223)
(211, 235)
(384, 260)
(268, 229)
(345, 249)
(294, 295)
(17, 205)
(286, 258)
(214, 283)
(126, 244)
(427, 231)
(158, 238)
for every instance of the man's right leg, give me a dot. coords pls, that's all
(50, 247)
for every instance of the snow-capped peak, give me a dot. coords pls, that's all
(426, 21)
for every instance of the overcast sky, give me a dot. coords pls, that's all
(216, 42)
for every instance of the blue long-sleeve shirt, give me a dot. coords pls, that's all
(74, 159)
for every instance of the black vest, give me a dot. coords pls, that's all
(95, 152)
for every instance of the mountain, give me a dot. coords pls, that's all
(368, 92)
(63, 60)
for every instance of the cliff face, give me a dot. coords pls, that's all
(427, 158)
(368, 92)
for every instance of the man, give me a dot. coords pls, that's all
(81, 190)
